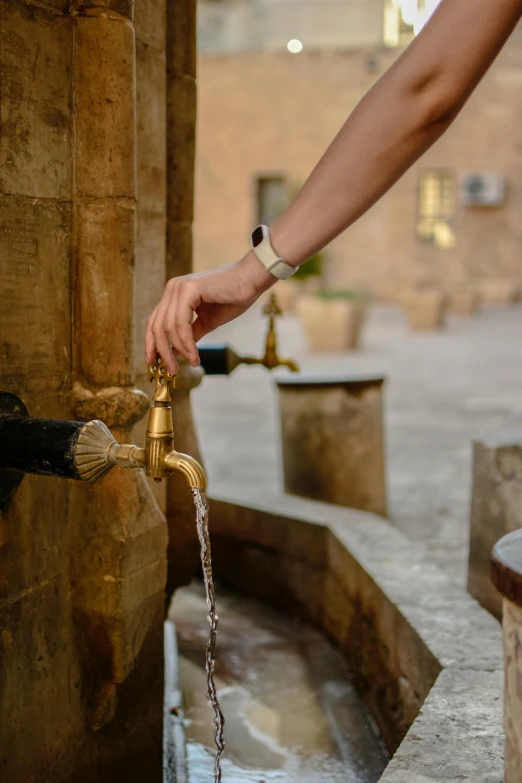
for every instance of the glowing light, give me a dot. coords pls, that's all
(416, 15)
(294, 46)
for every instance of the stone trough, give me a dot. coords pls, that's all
(426, 657)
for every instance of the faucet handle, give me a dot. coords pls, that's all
(165, 382)
(272, 307)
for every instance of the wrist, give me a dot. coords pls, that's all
(254, 273)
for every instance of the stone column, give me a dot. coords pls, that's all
(118, 558)
(496, 508)
(181, 138)
(333, 441)
(506, 573)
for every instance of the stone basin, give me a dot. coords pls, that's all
(426, 658)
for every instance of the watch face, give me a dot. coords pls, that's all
(257, 236)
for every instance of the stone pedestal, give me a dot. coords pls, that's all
(496, 508)
(332, 439)
(506, 573)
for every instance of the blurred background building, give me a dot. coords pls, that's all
(277, 79)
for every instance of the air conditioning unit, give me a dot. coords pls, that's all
(482, 189)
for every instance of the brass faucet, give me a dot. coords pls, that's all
(271, 359)
(97, 451)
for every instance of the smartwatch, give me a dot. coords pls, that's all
(263, 249)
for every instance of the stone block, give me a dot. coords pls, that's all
(181, 149)
(151, 129)
(35, 273)
(496, 508)
(106, 238)
(35, 111)
(105, 108)
(37, 673)
(118, 570)
(333, 441)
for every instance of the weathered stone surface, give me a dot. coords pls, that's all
(83, 568)
(150, 23)
(116, 407)
(123, 7)
(181, 38)
(512, 633)
(457, 735)
(37, 671)
(398, 619)
(106, 240)
(179, 248)
(150, 279)
(35, 111)
(496, 508)
(332, 439)
(105, 110)
(35, 274)
(118, 568)
(181, 147)
(151, 129)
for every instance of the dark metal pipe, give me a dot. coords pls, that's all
(42, 446)
(218, 359)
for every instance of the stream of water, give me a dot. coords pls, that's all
(200, 501)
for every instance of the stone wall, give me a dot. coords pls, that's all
(83, 568)
(265, 113)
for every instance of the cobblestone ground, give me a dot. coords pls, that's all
(444, 390)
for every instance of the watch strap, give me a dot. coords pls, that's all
(264, 251)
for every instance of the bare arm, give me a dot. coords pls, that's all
(403, 114)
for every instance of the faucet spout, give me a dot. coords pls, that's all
(189, 467)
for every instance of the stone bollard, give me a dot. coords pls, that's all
(332, 440)
(496, 508)
(506, 573)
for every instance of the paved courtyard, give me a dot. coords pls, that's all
(444, 390)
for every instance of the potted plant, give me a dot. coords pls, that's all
(425, 308)
(333, 320)
(306, 280)
(464, 300)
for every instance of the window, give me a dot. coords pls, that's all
(436, 207)
(272, 198)
(403, 19)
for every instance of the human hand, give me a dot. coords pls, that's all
(215, 297)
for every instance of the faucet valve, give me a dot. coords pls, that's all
(271, 358)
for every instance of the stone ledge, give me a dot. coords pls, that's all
(431, 657)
